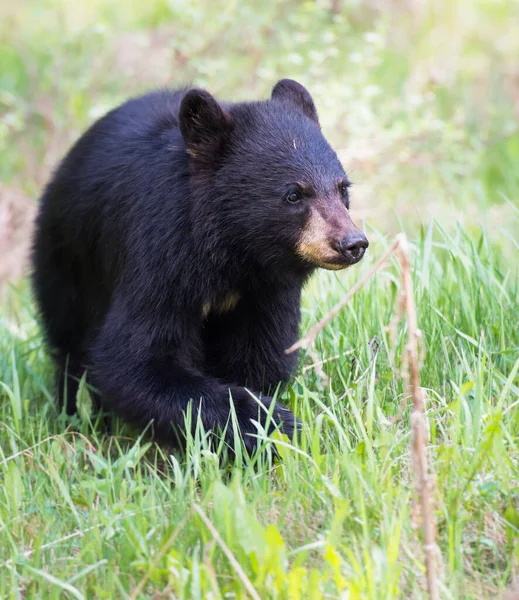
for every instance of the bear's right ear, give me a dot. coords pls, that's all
(291, 91)
(204, 124)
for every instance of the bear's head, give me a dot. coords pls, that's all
(267, 182)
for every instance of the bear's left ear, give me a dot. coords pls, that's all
(204, 125)
(289, 90)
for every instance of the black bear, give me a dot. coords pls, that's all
(171, 247)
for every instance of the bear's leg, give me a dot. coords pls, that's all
(247, 346)
(57, 290)
(69, 375)
(145, 373)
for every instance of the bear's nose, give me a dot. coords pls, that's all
(353, 245)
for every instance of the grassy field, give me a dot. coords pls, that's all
(422, 102)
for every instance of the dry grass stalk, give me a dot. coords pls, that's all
(418, 424)
(422, 479)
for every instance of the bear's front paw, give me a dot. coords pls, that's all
(281, 418)
(271, 418)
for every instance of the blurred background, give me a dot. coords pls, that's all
(420, 98)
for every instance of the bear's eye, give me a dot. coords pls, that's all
(343, 187)
(294, 196)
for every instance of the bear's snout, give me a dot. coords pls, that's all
(353, 246)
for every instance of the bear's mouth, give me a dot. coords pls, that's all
(339, 260)
(336, 262)
(333, 252)
(330, 262)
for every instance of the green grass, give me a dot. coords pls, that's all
(422, 107)
(88, 515)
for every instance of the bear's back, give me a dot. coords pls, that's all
(120, 183)
(133, 156)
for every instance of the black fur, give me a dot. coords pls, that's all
(171, 203)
